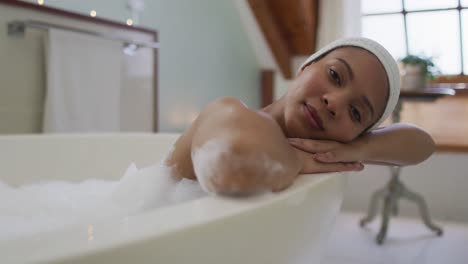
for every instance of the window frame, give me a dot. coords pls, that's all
(462, 77)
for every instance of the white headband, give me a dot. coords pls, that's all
(390, 65)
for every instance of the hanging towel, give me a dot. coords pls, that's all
(83, 83)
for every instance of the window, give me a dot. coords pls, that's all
(435, 28)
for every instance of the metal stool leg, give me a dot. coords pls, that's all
(424, 212)
(395, 208)
(372, 211)
(386, 211)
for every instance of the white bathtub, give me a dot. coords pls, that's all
(289, 227)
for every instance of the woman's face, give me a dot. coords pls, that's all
(336, 97)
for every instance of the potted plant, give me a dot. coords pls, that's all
(416, 71)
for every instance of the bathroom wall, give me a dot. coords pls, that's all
(23, 82)
(442, 180)
(115, 9)
(204, 55)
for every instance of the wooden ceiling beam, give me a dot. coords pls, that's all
(310, 9)
(298, 22)
(273, 34)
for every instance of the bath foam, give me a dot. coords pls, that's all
(215, 150)
(35, 208)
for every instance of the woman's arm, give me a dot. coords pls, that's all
(238, 151)
(398, 144)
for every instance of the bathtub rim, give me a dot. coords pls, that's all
(217, 208)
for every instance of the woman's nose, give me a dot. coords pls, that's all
(332, 104)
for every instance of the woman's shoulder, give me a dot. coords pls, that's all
(230, 114)
(227, 102)
(235, 108)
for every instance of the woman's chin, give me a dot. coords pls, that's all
(299, 133)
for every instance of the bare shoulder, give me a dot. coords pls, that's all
(227, 101)
(225, 105)
(247, 130)
(232, 110)
(213, 117)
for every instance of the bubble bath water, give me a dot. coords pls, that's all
(40, 207)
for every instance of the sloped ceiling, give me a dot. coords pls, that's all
(289, 26)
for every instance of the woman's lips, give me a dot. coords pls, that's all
(313, 117)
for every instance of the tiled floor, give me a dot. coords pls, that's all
(408, 242)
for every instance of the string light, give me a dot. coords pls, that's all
(93, 13)
(40, 2)
(129, 22)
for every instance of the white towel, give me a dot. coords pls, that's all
(83, 83)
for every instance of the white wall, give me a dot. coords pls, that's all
(442, 180)
(22, 80)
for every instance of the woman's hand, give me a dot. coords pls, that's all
(310, 164)
(328, 156)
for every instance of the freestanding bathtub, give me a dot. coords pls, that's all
(288, 227)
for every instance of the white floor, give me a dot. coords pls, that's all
(408, 242)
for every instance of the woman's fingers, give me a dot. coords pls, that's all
(313, 146)
(341, 166)
(318, 167)
(311, 165)
(328, 151)
(337, 156)
(325, 150)
(343, 154)
(327, 157)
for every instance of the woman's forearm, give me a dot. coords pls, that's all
(398, 144)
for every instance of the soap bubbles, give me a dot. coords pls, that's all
(41, 207)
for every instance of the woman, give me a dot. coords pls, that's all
(325, 122)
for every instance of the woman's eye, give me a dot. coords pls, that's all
(356, 114)
(335, 77)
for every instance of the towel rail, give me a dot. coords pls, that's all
(17, 28)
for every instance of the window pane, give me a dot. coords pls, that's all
(429, 4)
(372, 6)
(464, 3)
(392, 38)
(436, 34)
(465, 40)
